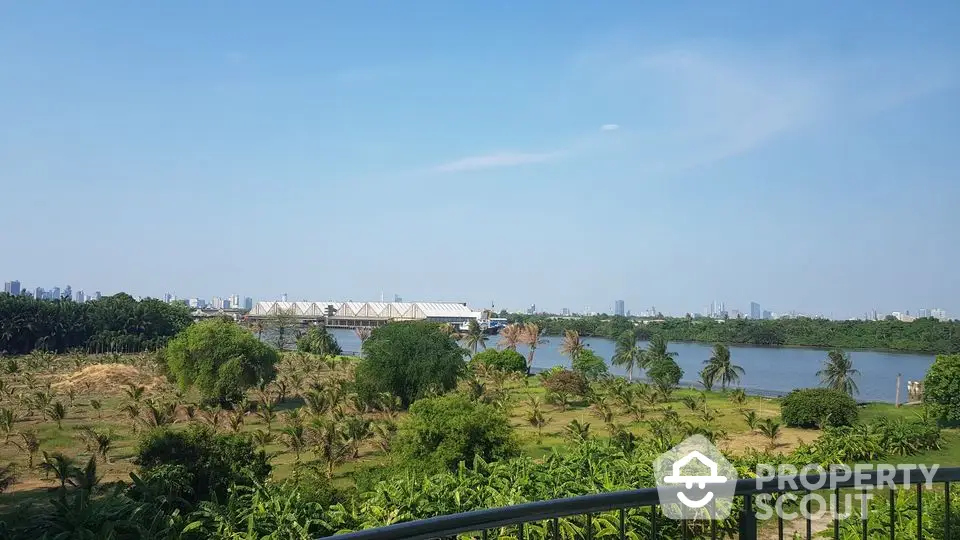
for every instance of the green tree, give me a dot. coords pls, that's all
(220, 359)
(446, 430)
(720, 368)
(213, 463)
(572, 345)
(475, 337)
(665, 373)
(838, 372)
(941, 389)
(409, 360)
(318, 340)
(590, 364)
(505, 360)
(628, 354)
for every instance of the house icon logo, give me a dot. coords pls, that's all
(695, 481)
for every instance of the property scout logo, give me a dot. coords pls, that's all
(695, 481)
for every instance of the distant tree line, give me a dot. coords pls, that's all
(115, 323)
(925, 335)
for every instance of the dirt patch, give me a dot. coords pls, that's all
(790, 438)
(108, 378)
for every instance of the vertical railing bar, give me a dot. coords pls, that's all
(779, 526)
(713, 528)
(946, 501)
(623, 524)
(519, 531)
(748, 520)
(653, 521)
(589, 527)
(836, 513)
(893, 513)
(809, 523)
(483, 534)
(556, 528)
(920, 511)
(685, 531)
(865, 515)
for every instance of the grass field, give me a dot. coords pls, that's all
(127, 387)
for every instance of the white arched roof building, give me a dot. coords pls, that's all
(367, 313)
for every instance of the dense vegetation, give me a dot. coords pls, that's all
(941, 389)
(112, 324)
(923, 335)
(818, 407)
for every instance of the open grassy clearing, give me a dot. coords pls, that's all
(131, 390)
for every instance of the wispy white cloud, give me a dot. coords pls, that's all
(609, 127)
(495, 160)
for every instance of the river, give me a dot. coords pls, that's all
(767, 369)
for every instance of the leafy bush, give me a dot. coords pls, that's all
(941, 388)
(505, 360)
(409, 360)
(221, 359)
(441, 432)
(318, 340)
(817, 407)
(590, 364)
(573, 383)
(665, 373)
(200, 462)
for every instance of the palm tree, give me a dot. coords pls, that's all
(8, 476)
(838, 372)
(537, 419)
(739, 398)
(31, 445)
(328, 443)
(706, 379)
(571, 345)
(7, 421)
(134, 392)
(60, 465)
(627, 354)
(752, 419)
(295, 438)
(95, 405)
(720, 368)
(262, 438)
(657, 350)
(532, 336)
(475, 337)
(267, 412)
(577, 431)
(56, 411)
(356, 429)
(510, 336)
(384, 432)
(771, 430)
(158, 414)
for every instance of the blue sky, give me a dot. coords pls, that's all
(562, 153)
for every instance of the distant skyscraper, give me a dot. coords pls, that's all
(396, 298)
(939, 314)
(283, 297)
(68, 293)
(38, 293)
(923, 313)
(218, 302)
(96, 295)
(235, 301)
(80, 297)
(755, 311)
(532, 309)
(193, 302)
(55, 293)
(248, 303)
(767, 315)
(12, 288)
(618, 308)
(167, 297)
(565, 312)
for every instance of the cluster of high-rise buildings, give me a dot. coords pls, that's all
(905, 316)
(217, 302)
(14, 288)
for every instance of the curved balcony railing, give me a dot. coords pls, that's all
(542, 519)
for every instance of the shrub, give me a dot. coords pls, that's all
(813, 407)
(590, 364)
(941, 388)
(565, 381)
(443, 431)
(409, 360)
(318, 340)
(505, 360)
(221, 359)
(200, 462)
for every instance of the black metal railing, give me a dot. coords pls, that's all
(519, 520)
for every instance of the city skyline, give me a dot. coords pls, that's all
(757, 154)
(716, 309)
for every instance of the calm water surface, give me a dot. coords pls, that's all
(767, 368)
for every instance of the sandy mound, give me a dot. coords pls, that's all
(108, 378)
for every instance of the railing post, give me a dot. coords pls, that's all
(748, 520)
